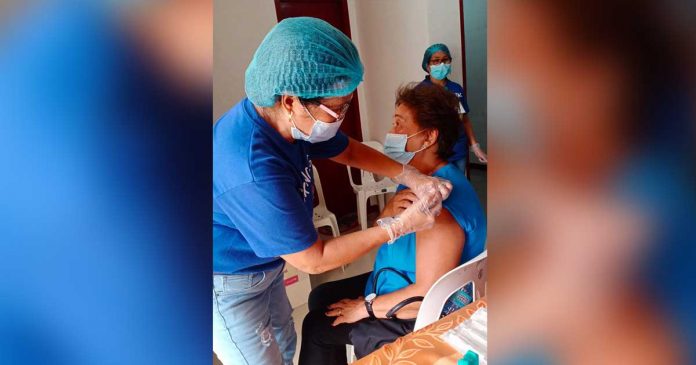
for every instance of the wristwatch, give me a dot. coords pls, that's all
(368, 304)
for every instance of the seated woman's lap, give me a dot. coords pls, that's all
(331, 292)
(323, 343)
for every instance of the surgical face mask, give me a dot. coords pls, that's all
(395, 147)
(321, 131)
(440, 71)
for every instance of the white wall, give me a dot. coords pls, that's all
(239, 28)
(391, 36)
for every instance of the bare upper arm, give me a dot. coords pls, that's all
(438, 249)
(307, 259)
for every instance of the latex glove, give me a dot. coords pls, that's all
(476, 149)
(414, 218)
(430, 190)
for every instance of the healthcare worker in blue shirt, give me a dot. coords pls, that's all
(437, 62)
(299, 86)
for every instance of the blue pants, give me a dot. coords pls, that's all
(461, 165)
(252, 319)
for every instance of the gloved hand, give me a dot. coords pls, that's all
(476, 149)
(430, 190)
(414, 218)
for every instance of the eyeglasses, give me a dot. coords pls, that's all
(438, 61)
(338, 116)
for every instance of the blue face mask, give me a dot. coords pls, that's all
(440, 71)
(395, 147)
(321, 131)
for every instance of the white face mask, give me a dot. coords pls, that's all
(395, 147)
(321, 131)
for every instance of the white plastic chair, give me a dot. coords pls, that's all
(473, 270)
(370, 187)
(322, 215)
(350, 354)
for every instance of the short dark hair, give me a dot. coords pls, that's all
(434, 107)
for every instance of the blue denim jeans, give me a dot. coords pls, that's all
(252, 319)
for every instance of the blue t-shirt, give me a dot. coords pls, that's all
(461, 148)
(466, 209)
(262, 191)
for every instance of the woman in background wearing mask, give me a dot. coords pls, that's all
(299, 86)
(437, 62)
(423, 133)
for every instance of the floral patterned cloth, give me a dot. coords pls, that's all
(425, 345)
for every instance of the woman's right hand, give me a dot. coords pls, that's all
(416, 217)
(398, 203)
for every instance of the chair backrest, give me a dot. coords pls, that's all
(366, 177)
(317, 185)
(473, 270)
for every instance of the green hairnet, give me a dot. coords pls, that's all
(304, 57)
(432, 50)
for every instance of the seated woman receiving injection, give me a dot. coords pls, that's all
(376, 308)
